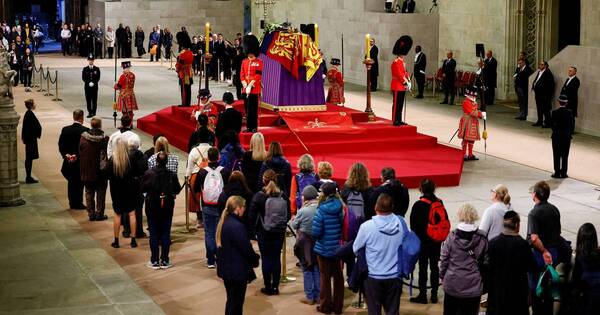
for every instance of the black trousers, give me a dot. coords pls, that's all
(186, 93)
(420, 77)
(398, 107)
(110, 52)
(167, 52)
(251, 111)
(138, 220)
(490, 95)
(91, 98)
(373, 81)
(522, 98)
(28, 167)
(560, 151)
(543, 105)
(98, 48)
(27, 74)
(449, 90)
(383, 293)
(429, 257)
(75, 192)
(65, 46)
(461, 306)
(236, 294)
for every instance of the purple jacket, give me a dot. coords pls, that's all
(461, 254)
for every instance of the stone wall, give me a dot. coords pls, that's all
(348, 18)
(590, 23)
(225, 16)
(588, 71)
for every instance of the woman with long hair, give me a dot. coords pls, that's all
(162, 145)
(139, 41)
(236, 258)
(306, 177)
(586, 272)
(278, 163)
(267, 206)
(492, 221)
(253, 160)
(235, 186)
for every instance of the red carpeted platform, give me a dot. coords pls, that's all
(341, 136)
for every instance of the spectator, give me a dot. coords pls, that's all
(139, 41)
(586, 272)
(490, 77)
(92, 153)
(510, 260)
(278, 163)
(543, 87)
(160, 185)
(429, 256)
(197, 160)
(306, 177)
(182, 37)
(27, 65)
(167, 41)
(571, 90)
(325, 172)
(150, 152)
(210, 181)
(110, 41)
(162, 145)
(65, 38)
(394, 188)
(121, 38)
(408, 6)
(128, 42)
(253, 160)
(153, 43)
(327, 232)
(521, 75)
(14, 60)
(304, 248)
(380, 238)
(232, 151)
(202, 131)
(98, 41)
(270, 209)
(125, 131)
(462, 258)
(30, 133)
(543, 233)
(68, 146)
(236, 256)
(374, 54)
(492, 221)
(357, 189)
(236, 186)
(449, 78)
(229, 119)
(563, 125)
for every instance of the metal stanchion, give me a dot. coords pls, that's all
(187, 205)
(41, 88)
(56, 98)
(48, 83)
(284, 277)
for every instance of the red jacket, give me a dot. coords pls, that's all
(252, 71)
(398, 75)
(184, 65)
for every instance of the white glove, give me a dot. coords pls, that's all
(408, 86)
(249, 88)
(91, 84)
(484, 115)
(324, 76)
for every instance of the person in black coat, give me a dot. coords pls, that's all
(229, 119)
(31, 132)
(562, 131)
(419, 71)
(139, 41)
(449, 80)
(201, 133)
(182, 37)
(521, 76)
(121, 37)
(490, 76)
(394, 188)
(235, 186)
(90, 76)
(408, 6)
(374, 54)
(543, 86)
(570, 89)
(236, 257)
(68, 146)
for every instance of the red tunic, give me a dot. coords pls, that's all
(126, 99)
(399, 74)
(252, 71)
(468, 128)
(184, 66)
(335, 94)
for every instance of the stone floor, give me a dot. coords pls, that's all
(80, 273)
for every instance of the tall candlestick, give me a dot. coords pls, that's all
(206, 37)
(317, 35)
(368, 45)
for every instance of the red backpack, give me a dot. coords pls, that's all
(438, 225)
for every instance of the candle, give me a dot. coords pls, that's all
(207, 36)
(368, 45)
(317, 35)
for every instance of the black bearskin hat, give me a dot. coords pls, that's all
(335, 62)
(185, 41)
(403, 46)
(251, 45)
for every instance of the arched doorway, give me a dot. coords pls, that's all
(569, 23)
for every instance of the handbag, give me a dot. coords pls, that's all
(153, 49)
(549, 280)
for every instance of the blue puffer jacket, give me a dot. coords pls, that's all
(327, 227)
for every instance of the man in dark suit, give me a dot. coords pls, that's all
(229, 119)
(68, 146)
(563, 123)
(374, 52)
(543, 86)
(419, 70)
(490, 75)
(570, 89)
(90, 76)
(521, 76)
(449, 72)
(408, 6)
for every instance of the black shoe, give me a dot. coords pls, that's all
(466, 158)
(564, 176)
(275, 291)
(546, 126)
(434, 299)
(126, 234)
(419, 299)
(90, 116)
(444, 102)
(473, 158)
(537, 124)
(115, 244)
(78, 207)
(520, 118)
(141, 235)
(451, 104)
(92, 218)
(419, 96)
(133, 243)
(555, 175)
(100, 217)
(266, 291)
(31, 180)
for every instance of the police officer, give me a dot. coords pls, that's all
(562, 132)
(90, 76)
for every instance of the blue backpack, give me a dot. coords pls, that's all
(231, 157)
(303, 180)
(408, 253)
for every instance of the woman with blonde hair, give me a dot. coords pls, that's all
(162, 145)
(325, 172)
(236, 258)
(306, 177)
(492, 221)
(278, 163)
(461, 259)
(253, 160)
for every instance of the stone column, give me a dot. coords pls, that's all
(10, 194)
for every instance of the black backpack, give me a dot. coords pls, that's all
(162, 196)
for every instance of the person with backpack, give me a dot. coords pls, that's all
(202, 132)
(231, 152)
(327, 233)
(236, 186)
(253, 160)
(160, 185)
(162, 145)
(429, 220)
(381, 237)
(586, 271)
(306, 177)
(92, 159)
(462, 263)
(280, 165)
(270, 212)
(394, 188)
(325, 172)
(492, 221)
(210, 182)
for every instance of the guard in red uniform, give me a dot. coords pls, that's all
(184, 71)
(126, 102)
(468, 128)
(335, 93)
(250, 75)
(400, 78)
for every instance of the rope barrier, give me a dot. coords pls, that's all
(56, 98)
(48, 79)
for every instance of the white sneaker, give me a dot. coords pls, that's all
(154, 266)
(211, 266)
(166, 265)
